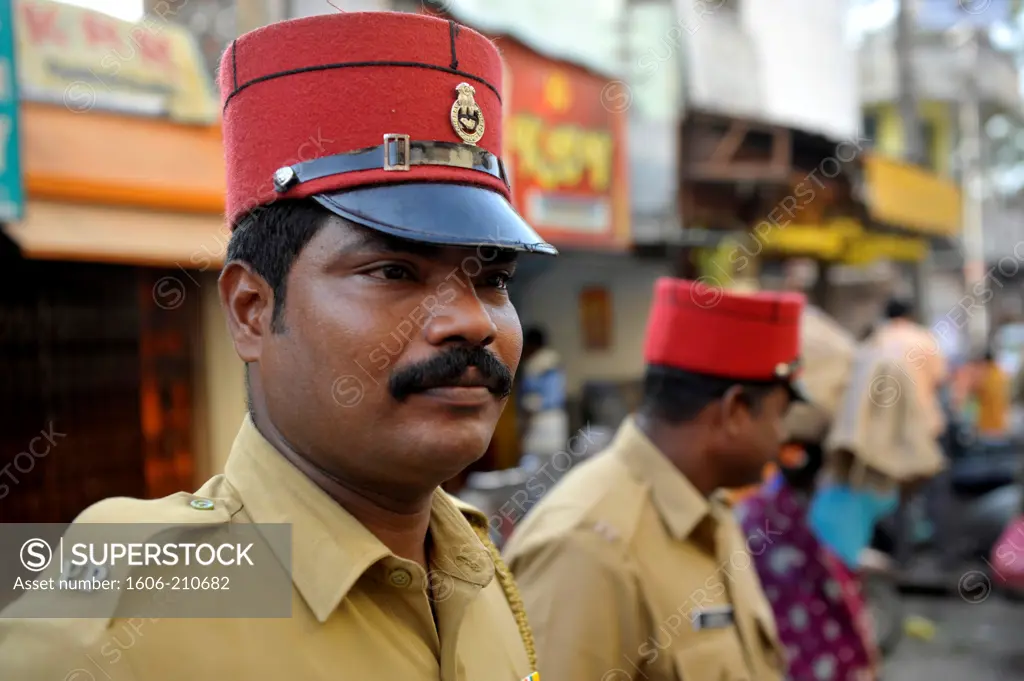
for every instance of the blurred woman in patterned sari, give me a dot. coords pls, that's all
(820, 613)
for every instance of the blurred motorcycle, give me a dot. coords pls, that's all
(985, 496)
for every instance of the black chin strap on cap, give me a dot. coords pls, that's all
(396, 154)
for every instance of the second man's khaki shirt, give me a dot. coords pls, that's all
(627, 572)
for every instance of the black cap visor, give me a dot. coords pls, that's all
(438, 213)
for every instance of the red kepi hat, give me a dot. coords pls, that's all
(390, 120)
(710, 331)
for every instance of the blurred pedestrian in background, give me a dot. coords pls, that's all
(990, 392)
(633, 566)
(901, 336)
(544, 421)
(915, 349)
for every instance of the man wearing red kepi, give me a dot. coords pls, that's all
(633, 566)
(365, 289)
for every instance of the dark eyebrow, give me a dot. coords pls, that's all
(378, 242)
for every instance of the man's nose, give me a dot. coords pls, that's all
(466, 319)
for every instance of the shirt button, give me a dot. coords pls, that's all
(400, 577)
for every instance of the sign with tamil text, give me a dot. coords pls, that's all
(565, 149)
(87, 60)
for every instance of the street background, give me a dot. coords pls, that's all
(871, 148)
(973, 641)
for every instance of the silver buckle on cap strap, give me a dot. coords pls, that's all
(401, 144)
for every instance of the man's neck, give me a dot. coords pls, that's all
(681, 446)
(400, 524)
(402, 527)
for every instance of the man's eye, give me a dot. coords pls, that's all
(499, 280)
(392, 272)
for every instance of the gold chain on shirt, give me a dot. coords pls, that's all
(508, 585)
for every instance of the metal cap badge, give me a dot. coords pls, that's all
(467, 117)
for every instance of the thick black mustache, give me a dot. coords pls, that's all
(446, 369)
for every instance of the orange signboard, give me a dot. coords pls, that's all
(565, 149)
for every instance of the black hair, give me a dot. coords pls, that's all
(804, 476)
(897, 309)
(535, 336)
(675, 396)
(269, 240)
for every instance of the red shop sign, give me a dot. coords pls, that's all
(565, 150)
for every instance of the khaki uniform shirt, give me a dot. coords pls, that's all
(627, 572)
(358, 611)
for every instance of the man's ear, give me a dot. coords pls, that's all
(248, 303)
(735, 410)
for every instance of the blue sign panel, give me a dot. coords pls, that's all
(12, 190)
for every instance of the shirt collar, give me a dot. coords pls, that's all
(680, 505)
(331, 550)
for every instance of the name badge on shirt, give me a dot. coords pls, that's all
(713, 618)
